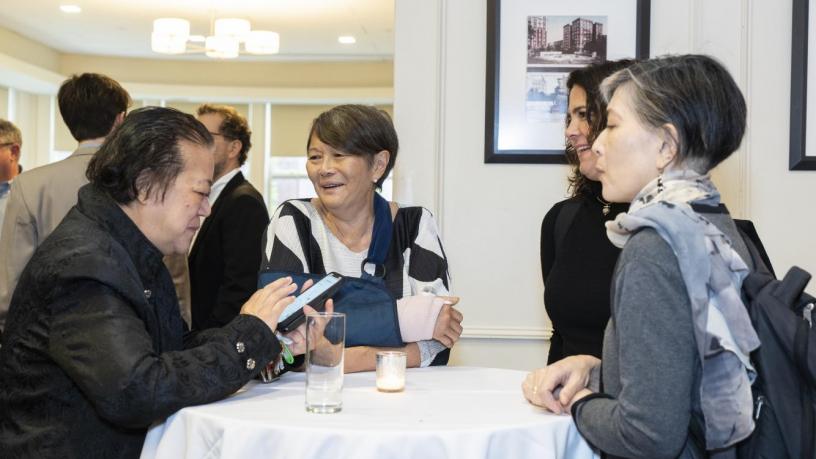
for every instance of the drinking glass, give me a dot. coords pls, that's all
(325, 346)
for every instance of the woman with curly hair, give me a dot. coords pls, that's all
(577, 259)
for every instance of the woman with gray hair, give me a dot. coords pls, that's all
(676, 349)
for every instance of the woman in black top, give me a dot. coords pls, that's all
(577, 259)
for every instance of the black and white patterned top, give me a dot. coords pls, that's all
(298, 240)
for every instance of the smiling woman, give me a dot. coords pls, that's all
(576, 258)
(350, 151)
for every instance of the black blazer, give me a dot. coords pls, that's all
(94, 350)
(226, 255)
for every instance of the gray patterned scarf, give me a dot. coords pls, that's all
(713, 273)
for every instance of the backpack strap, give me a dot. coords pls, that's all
(563, 222)
(756, 257)
(749, 233)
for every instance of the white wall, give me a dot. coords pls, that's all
(490, 214)
(4, 97)
(33, 115)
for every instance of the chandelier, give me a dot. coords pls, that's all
(172, 36)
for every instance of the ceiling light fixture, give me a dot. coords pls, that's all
(347, 40)
(172, 36)
(71, 9)
(262, 42)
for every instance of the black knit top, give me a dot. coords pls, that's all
(577, 277)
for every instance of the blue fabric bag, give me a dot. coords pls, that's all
(371, 310)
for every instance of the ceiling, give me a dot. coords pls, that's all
(308, 28)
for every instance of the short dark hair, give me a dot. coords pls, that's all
(358, 130)
(234, 126)
(695, 94)
(590, 78)
(89, 104)
(143, 153)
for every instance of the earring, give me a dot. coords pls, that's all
(660, 183)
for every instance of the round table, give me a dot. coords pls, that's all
(444, 412)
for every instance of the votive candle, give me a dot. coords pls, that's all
(391, 371)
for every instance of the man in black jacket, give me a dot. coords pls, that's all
(94, 349)
(226, 253)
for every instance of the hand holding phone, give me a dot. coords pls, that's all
(315, 297)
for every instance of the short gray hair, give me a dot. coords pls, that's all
(696, 95)
(10, 133)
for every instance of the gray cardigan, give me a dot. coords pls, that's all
(651, 370)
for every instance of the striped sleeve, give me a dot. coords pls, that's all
(284, 250)
(427, 274)
(427, 263)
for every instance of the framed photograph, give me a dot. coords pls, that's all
(803, 104)
(532, 46)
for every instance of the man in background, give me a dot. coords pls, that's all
(226, 253)
(11, 141)
(91, 105)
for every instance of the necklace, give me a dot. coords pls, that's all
(352, 242)
(606, 205)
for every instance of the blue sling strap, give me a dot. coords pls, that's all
(380, 239)
(371, 310)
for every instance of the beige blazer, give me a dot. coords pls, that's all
(180, 272)
(38, 201)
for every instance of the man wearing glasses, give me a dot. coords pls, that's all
(11, 141)
(226, 253)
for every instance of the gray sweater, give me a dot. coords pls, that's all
(651, 370)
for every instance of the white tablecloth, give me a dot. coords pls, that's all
(444, 412)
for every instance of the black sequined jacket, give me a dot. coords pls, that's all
(95, 348)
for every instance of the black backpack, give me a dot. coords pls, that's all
(784, 392)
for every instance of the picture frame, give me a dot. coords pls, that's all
(525, 92)
(803, 105)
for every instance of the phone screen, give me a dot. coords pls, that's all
(309, 295)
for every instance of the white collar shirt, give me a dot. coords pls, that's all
(215, 191)
(218, 186)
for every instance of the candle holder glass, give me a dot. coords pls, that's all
(391, 371)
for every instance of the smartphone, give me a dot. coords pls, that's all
(316, 297)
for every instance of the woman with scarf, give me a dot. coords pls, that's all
(350, 151)
(675, 354)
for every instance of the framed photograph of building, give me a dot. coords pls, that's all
(803, 103)
(532, 45)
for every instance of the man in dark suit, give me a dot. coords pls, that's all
(226, 253)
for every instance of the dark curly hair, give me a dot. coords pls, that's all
(590, 78)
